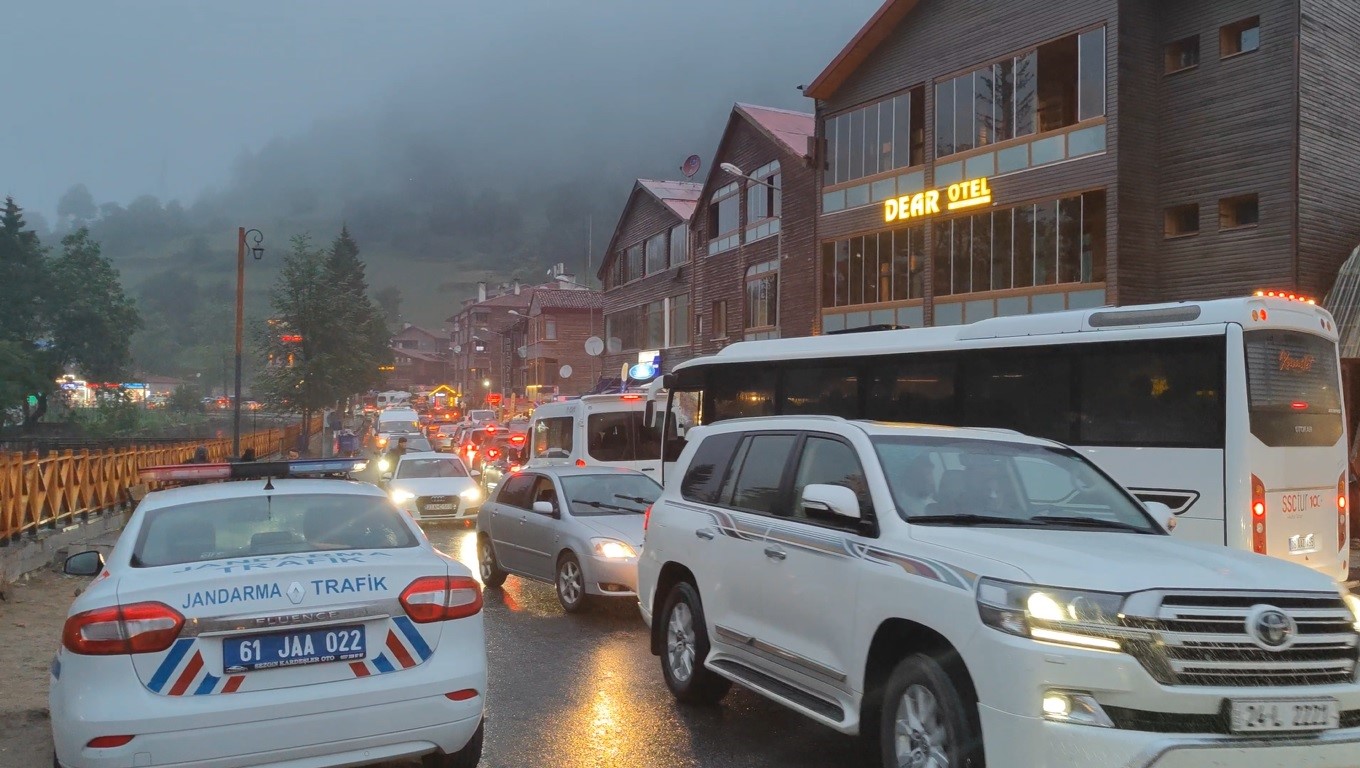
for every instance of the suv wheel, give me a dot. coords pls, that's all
(467, 757)
(571, 583)
(492, 575)
(686, 647)
(925, 723)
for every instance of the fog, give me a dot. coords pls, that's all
(170, 98)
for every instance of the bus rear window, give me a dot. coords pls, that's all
(1293, 388)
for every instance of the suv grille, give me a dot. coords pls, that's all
(1203, 639)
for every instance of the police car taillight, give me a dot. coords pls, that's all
(121, 629)
(441, 598)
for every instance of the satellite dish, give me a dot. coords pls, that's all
(691, 166)
(594, 346)
(457, 349)
(522, 351)
(564, 372)
(615, 345)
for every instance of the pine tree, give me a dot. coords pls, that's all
(90, 319)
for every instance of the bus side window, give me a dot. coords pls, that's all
(913, 389)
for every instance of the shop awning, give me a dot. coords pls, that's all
(1344, 303)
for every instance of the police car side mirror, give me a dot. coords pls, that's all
(1162, 514)
(84, 564)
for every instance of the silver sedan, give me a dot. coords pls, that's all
(577, 528)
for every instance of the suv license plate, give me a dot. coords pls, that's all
(1282, 715)
(290, 649)
(438, 507)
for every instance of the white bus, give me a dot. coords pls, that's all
(1228, 411)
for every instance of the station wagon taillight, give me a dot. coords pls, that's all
(441, 598)
(1258, 515)
(120, 629)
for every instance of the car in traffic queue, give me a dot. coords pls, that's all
(275, 619)
(474, 438)
(433, 487)
(506, 455)
(577, 529)
(441, 436)
(963, 596)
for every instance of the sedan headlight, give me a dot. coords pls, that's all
(384, 465)
(401, 497)
(612, 549)
(473, 494)
(1064, 616)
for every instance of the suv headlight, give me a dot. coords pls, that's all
(1353, 603)
(612, 549)
(401, 497)
(1063, 616)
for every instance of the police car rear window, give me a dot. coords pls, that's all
(268, 525)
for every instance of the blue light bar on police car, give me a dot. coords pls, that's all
(251, 470)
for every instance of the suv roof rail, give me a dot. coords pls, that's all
(782, 417)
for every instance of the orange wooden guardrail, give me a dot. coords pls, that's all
(50, 491)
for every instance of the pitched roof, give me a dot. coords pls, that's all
(790, 128)
(566, 298)
(865, 42)
(416, 354)
(679, 196)
(418, 329)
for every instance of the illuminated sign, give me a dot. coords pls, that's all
(965, 194)
(642, 372)
(1290, 363)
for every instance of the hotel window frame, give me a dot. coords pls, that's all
(719, 325)
(679, 244)
(727, 239)
(1174, 55)
(1172, 221)
(839, 153)
(1229, 210)
(1230, 40)
(655, 252)
(763, 279)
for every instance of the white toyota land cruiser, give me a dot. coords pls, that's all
(963, 597)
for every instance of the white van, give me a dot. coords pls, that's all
(398, 420)
(604, 430)
(392, 398)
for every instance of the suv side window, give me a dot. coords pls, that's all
(703, 479)
(755, 483)
(828, 461)
(516, 492)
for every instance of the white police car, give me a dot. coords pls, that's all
(270, 622)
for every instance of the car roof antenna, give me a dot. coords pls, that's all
(269, 483)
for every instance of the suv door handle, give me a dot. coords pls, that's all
(704, 533)
(775, 553)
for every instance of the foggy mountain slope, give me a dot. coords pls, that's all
(498, 148)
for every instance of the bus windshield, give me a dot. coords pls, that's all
(1293, 388)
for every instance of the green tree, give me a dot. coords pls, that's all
(77, 205)
(304, 343)
(90, 319)
(187, 398)
(27, 367)
(361, 320)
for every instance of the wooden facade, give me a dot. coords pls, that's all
(1262, 122)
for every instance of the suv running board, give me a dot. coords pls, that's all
(753, 678)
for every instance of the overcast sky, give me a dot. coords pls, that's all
(162, 96)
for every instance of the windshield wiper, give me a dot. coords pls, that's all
(1088, 522)
(634, 499)
(616, 509)
(970, 520)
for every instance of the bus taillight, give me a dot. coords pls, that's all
(1258, 515)
(1341, 513)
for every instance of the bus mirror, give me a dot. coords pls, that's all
(668, 381)
(649, 414)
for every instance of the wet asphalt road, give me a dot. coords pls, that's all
(584, 692)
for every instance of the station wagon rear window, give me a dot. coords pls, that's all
(268, 525)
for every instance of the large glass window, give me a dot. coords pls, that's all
(1057, 241)
(740, 392)
(679, 244)
(1167, 392)
(1051, 87)
(881, 137)
(762, 295)
(831, 391)
(654, 325)
(679, 317)
(636, 265)
(656, 253)
(724, 219)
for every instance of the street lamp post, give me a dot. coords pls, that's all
(256, 250)
(735, 170)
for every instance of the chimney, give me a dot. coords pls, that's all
(566, 280)
(481, 292)
(516, 287)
